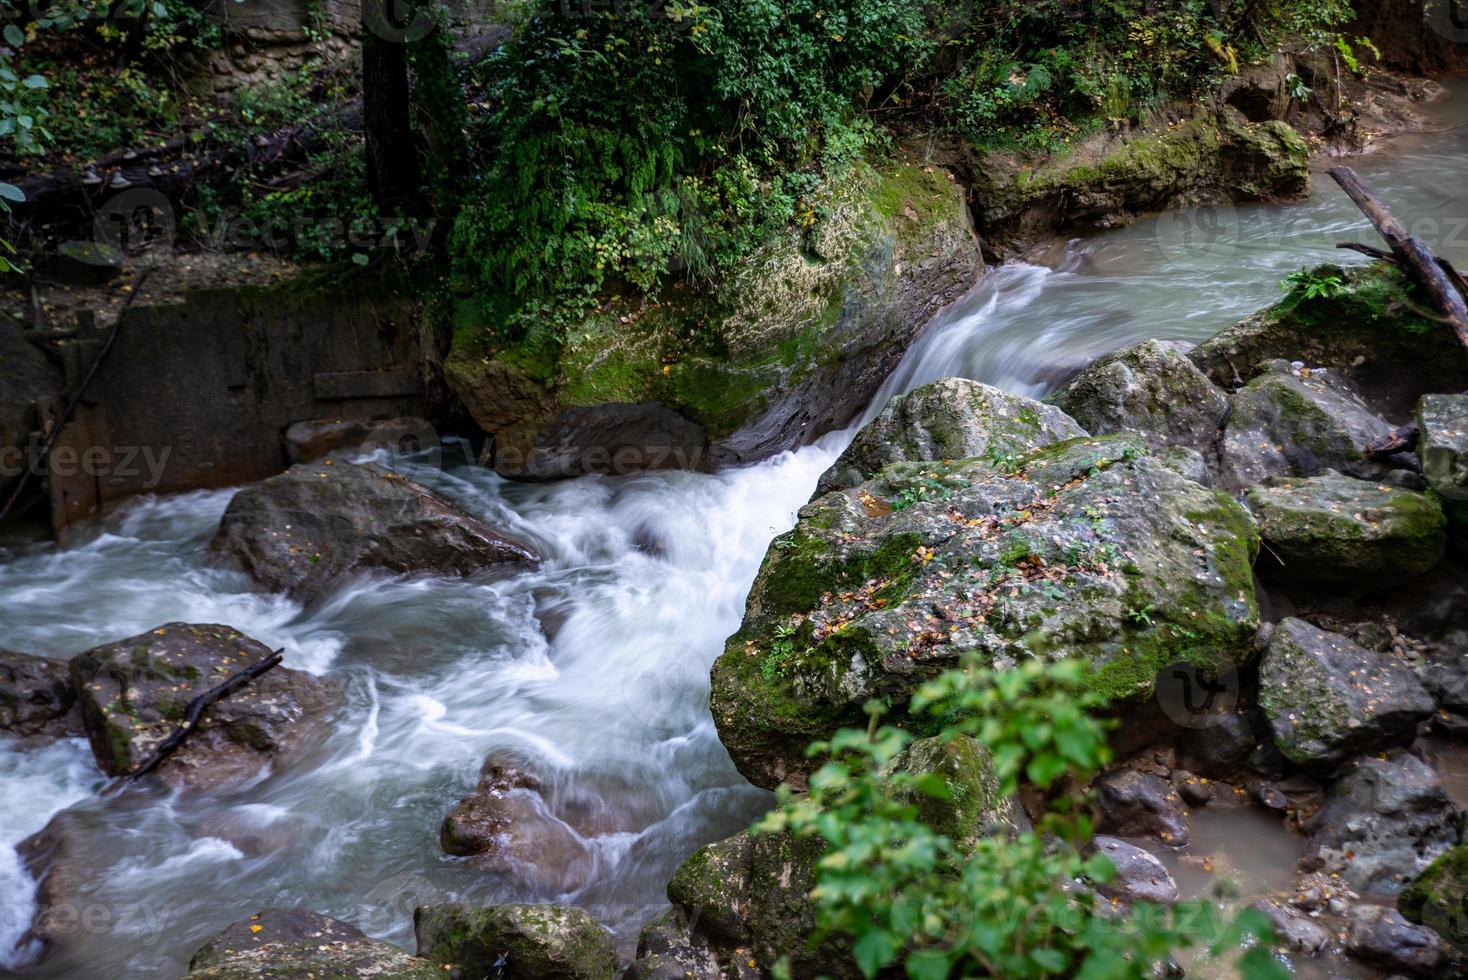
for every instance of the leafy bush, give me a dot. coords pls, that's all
(1009, 906)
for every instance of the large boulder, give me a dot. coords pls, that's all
(792, 344)
(1151, 389)
(1371, 331)
(316, 523)
(947, 420)
(1292, 421)
(298, 943)
(516, 942)
(1442, 421)
(1380, 935)
(1438, 897)
(507, 826)
(1328, 699)
(1383, 822)
(1140, 876)
(133, 695)
(1140, 804)
(1335, 530)
(36, 696)
(1085, 549)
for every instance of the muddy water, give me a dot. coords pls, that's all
(644, 579)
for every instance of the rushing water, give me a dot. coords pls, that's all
(592, 671)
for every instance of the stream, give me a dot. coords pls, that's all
(592, 672)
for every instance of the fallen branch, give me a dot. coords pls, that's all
(1411, 253)
(1382, 255)
(1404, 440)
(196, 710)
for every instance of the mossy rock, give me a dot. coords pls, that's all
(949, 419)
(517, 942)
(278, 944)
(1083, 549)
(790, 345)
(1106, 179)
(1334, 530)
(1374, 331)
(1438, 897)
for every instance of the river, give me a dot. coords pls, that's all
(591, 671)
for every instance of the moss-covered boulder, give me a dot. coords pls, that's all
(1374, 330)
(296, 943)
(1332, 529)
(1328, 699)
(1086, 549)
(949, 419)
(134, 693)
(793, 344)
(1439, 896)
(1294, 421)
(1442, 421)
(517, 942)
(746, 901)
(1151, 389)
(1108, 179)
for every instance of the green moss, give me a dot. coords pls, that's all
(1439, 896)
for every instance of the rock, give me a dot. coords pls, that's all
(1294, 930)
(1140, 877)
(1293, 422)
(1370, 333)
(713, 886)
(507, 826)
(61, 858)
(318, 522)
(1137, 804)
(1151, 389)
(534, 942)
(1383, 822)
(1107, 179)
(1085, 549)
(36, 696)
(133, 694)
(949, 419)
(1218, 745)
(668, 949)
(1438, 897)
(974, 808)
(1442, 421)
(1380, 935)
(1333, 530)
(306, 442)
(294, 942)
(794, 343)
(1328, 699)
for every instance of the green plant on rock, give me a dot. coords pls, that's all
(1010, 906)
(1314, 285)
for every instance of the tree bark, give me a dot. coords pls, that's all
(392, 157)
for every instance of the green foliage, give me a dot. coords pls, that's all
(1313, 285)
(911, 898)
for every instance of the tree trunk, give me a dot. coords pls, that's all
(392, 159)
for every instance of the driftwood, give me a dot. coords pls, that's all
(196, 710)
(1411, 253)
(1404, 440)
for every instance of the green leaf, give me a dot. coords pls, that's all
(1258, 964)
(34, 81)
(874, 951)
(927, 964)
(14, 36)
(359, 258)
(11, 193)
(1049, 960)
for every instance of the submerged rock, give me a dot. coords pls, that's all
(1328, 699)
(1370, 332)
(1332, 529)
(36, 696)
(948, 420)
(1287, 422)
(793, 344)
(1085, 549)
(1294, 930)
(303, 530)
(1151, 389)
(1383, 822)
(516, 942)
(507, 826)
(133, 694)
(297, 943)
